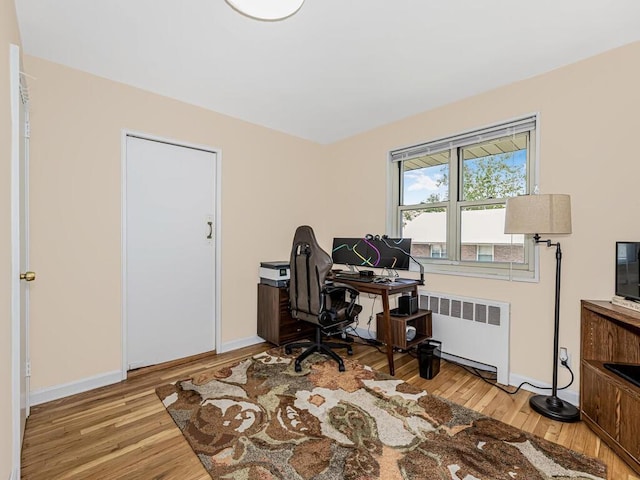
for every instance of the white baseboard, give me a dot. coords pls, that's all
(15, 474)
(570, 396)
(55, 392)
(240, 343)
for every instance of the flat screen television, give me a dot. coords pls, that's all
(378, 252)
(627, 271)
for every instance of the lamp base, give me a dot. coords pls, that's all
(554, 408)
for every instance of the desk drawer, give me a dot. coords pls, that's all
(274, 318)
(295, 330)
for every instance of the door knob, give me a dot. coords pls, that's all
(28, 276)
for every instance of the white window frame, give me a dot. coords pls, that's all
(478, 251)
(440, 250)
(454, 266)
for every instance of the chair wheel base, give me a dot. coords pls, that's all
(319, 346)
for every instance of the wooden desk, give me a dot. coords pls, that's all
(384, 290)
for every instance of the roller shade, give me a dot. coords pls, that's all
(469, 138)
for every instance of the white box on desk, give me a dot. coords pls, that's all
(275, 271)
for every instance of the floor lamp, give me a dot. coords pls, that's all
(546, 214)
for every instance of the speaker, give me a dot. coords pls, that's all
(407, 305)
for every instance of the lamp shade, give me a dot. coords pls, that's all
(540, 214)
(267, 9)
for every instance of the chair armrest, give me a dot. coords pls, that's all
(334, 287)
(340, 287)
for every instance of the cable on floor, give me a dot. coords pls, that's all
(476, 372)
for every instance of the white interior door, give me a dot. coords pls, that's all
(26, 276)
(19, 253)
(170, 254)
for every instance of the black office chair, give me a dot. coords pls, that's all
(314, 300)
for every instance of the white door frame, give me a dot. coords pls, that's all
(17, 243)
(123, 238)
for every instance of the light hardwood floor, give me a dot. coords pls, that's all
(123, 432)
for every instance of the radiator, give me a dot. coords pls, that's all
(471, 328)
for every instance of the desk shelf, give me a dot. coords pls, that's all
(421, 320)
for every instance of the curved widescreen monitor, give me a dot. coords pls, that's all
(372, 252)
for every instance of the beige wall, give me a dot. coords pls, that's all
(272, 182)
(588, 126)
(77, 121)
(8, 34)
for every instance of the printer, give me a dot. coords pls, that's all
(275, 273)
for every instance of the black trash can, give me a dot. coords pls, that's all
(429, 358)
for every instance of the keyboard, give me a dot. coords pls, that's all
(346, 275)
(354, 277)
(403, 280)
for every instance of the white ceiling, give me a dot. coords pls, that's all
(337, 67)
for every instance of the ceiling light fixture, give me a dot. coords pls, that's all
(266, 9)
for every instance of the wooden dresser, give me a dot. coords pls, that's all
(275, 324)
(609, 404)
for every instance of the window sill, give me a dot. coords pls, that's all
(461, 270)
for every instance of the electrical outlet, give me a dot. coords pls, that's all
(564, 356)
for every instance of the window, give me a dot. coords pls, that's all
(450, 195)
(484, 253)
(438, 250)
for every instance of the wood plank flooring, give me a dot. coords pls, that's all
(123, 432)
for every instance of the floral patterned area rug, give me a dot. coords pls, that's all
(259, 419)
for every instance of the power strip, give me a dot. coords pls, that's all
(623, 302)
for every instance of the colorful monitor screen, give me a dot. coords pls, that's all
(376, 252)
